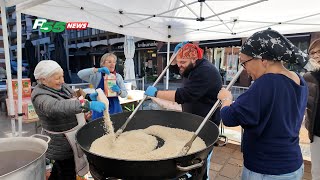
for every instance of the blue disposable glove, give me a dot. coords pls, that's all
(115, 88)
(151, 91)
(97, 106)
(104, 70)
(180, 45)
(93, 96)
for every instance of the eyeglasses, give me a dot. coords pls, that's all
(243, 64)
(313, 53)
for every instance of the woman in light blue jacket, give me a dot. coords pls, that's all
(95, 77)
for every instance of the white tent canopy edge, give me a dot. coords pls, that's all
(178, 20)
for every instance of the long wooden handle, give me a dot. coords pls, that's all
(145, 97)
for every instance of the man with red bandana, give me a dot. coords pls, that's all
(200, 86)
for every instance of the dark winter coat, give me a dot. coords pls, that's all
(312, 121)
(56, 111)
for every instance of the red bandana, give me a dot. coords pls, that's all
(190, 51)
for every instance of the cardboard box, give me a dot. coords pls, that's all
(109, 81)
(26, 88)
(27, 109)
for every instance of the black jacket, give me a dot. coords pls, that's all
(199, 90)
(312, 121)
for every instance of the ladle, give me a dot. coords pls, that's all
(188, 145)
(160, 141)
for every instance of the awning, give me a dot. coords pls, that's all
(221, 43)
(146, 44)
(163, 49)
(299, 35)
(79, 53)
(117, 47)
(98, 52)
(299, 38)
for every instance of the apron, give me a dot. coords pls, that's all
(114, 103)
(80, 159)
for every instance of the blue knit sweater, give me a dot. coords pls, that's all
(270, 113)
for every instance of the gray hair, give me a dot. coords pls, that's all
(105, 56)
(40, 81)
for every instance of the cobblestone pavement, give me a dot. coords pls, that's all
(227, 163)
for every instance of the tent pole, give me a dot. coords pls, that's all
(19, 71)
(237, 8)
(8, 66)
(192, 11)
(168, 61)
(66, 45)
(218, 17)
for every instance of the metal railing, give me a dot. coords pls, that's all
(236, 91)
(139, 83)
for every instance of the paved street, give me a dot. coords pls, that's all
(227, 163)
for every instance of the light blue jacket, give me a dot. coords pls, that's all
(94, 78)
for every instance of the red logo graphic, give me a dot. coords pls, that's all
(77, 25)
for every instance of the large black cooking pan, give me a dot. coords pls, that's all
(159, 169)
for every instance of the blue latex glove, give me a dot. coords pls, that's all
(104, 70)
(115, 88)
(97, 106)
(151, 91)
(93, 96)
(180, 45)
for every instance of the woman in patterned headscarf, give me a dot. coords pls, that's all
(271, 111)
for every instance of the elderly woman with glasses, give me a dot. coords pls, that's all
(312, 121)
(271, 111)
(60, 115)
(95, 76)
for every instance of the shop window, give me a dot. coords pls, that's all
(93, 31)
(85, 32)
(79, 33)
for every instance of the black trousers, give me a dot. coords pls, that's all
(63, 170)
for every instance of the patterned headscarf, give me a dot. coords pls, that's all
(271, 45)
(190, 51)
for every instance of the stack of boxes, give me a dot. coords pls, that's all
(27, 107)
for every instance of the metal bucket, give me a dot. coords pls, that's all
(23, 157)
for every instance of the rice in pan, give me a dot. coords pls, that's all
(141, 144)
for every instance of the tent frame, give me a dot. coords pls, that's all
(24, 5)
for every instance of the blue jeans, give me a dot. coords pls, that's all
(208, 164)
(250, 175)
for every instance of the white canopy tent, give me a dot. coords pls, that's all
(129, 49)
(172, 20)
(180, 20)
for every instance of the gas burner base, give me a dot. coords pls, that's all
(97, 176)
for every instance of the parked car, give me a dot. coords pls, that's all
(14, 67)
